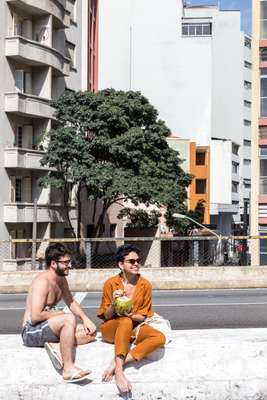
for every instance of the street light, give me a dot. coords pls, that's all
(182, 216)
(218, 256)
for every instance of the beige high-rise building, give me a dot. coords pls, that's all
(259, 132)
(44, 50)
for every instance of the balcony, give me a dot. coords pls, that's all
(57, 8)
(23, 213)
(16, 157)
(34, 53)
(28, 105)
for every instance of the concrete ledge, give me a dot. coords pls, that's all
(197, 365)
(161, 278)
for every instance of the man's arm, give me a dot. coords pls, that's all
(76, 309)
(39, 301)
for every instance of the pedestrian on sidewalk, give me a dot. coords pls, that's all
(44, 325)
(121, 328)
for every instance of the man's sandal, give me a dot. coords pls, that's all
(54, 356)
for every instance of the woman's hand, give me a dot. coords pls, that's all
(117, 293)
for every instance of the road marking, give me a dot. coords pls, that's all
(165, 305)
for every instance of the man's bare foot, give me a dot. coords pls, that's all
(75, 374)
(109, 372)
(122, 383)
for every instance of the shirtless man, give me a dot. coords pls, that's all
(44, 326)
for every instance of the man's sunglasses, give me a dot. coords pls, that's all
(65, 262)
(133, 260)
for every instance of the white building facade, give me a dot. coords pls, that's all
(193, 66)
(40, 57)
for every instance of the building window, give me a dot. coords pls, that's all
(201, 186)
(247, 122)
(235, 167)
(247, 142)
(263, 95)
(18, 190)
(235, 149)
(263, 20)
(18, 137)
(247, 42)
(247, 64)
(263, 168)
(247, 84)
(71, 54)
(247, 103)
(112, 230)
(235, 186)
(263, 151)
(196, 29)
(89, 230)
(200, 158)
(247, 161)
(263, 54)
(263, 131)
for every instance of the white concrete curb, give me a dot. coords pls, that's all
(197, 365)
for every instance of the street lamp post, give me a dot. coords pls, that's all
(219, 256)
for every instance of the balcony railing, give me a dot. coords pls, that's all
(23, 213)
(28, 105)
(16, 157)
(57, 8)
(34, 53)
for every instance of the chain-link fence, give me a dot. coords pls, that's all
(25, 254)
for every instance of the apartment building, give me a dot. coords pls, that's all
(259, 132)
(41, 55)
(193, 64)
(195, 160)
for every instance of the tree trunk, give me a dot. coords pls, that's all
(66, 208)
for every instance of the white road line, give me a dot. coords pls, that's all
(79, 297)
(168, 305)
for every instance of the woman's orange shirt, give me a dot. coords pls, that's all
(142, 296)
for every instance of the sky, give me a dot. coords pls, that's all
(243, 5)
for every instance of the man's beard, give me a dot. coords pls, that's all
(61, 272)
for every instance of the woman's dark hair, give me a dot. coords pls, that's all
(124, 250)
(54, 251)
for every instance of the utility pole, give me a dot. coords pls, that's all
(34, 234)
(244, 253)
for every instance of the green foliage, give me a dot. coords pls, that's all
(113, 144)
(184, 226)
(140, 218)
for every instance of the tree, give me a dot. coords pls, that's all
(112, 144)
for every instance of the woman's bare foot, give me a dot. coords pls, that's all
(109, 372)
(122, 383)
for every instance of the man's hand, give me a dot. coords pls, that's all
(89, 327)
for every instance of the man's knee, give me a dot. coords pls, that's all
(69, 319)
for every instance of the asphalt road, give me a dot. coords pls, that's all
(186, 309)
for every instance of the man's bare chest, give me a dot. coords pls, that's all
(54, 295)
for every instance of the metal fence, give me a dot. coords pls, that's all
(156, 252)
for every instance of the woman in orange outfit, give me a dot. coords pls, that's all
(120, 330)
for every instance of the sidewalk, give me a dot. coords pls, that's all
(229, 364)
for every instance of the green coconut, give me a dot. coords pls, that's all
(123, 305)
